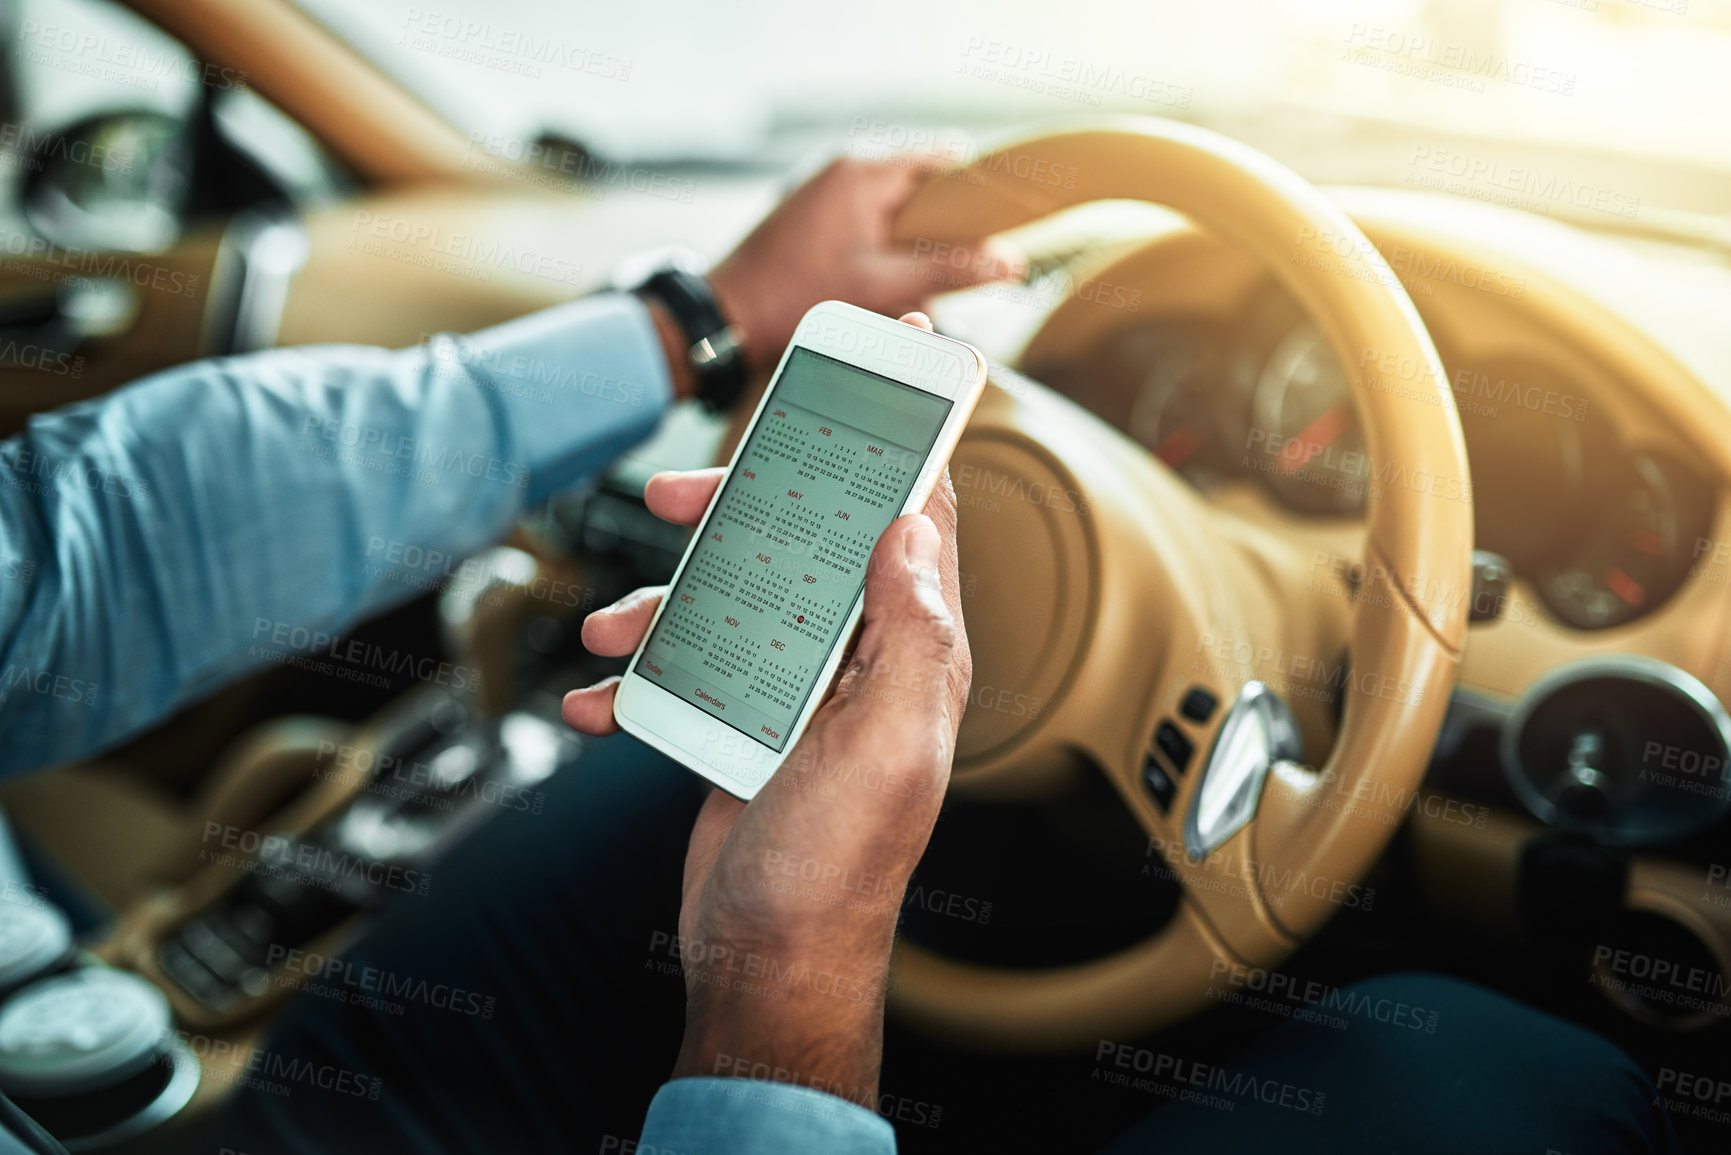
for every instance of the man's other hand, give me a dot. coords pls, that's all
(830, 240)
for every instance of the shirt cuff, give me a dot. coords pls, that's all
(578, 384)
(724, 1116)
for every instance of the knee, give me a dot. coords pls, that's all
(1477, 1019)
(1512, 1060)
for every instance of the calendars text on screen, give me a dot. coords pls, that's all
(766, 592)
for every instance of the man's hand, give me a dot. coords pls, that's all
(830, 240)
(791, 901)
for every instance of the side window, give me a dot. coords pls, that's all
(134, 181)
(118, 138)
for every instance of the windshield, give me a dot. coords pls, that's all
(1345, 90)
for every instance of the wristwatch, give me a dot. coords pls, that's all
(716, 356)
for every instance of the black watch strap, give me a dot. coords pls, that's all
(714, 350)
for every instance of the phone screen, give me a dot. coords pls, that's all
(765, 594)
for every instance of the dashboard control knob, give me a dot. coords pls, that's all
(1582, 792)
(1492, 575)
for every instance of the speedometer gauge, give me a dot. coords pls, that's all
(1305, 439)
(1634, 559)
(1164, 383)
(1174, 411)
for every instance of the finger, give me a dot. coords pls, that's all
(590, 710)
(614, 632)
(897, 178)
(941, 508)
(921, 164)
(939, 268)
(682, 496)
(887, 184)
(902, 665)
(875, 189)
(918, 320)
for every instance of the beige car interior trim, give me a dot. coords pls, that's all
(1468, 859)
(367, 120)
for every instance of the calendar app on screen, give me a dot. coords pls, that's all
(767, 591)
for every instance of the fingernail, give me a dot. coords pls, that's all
(921, 543)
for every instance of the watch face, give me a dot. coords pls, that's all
(716, 350)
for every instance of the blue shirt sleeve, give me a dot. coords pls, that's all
(722, 1116)
(162, 540)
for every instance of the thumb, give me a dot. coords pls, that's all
(900, 669)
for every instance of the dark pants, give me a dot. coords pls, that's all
(559, 924)
(533, 1003)
(1495, 1077)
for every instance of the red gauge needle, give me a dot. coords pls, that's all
(1647, 541)
(1624, 586)
(1314, 438)
(1176, 447)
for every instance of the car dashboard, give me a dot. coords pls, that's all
(1590, 379)
(1597, 471)
(1600, 529)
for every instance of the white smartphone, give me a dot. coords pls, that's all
(854, 430)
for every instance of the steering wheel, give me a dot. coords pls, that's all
(1109, 592)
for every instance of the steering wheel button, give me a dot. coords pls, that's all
(1172, 743)
(1159, 783)
(1198, 704)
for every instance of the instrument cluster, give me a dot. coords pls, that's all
(1603, 530)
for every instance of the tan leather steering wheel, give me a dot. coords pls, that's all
(1106, 588)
